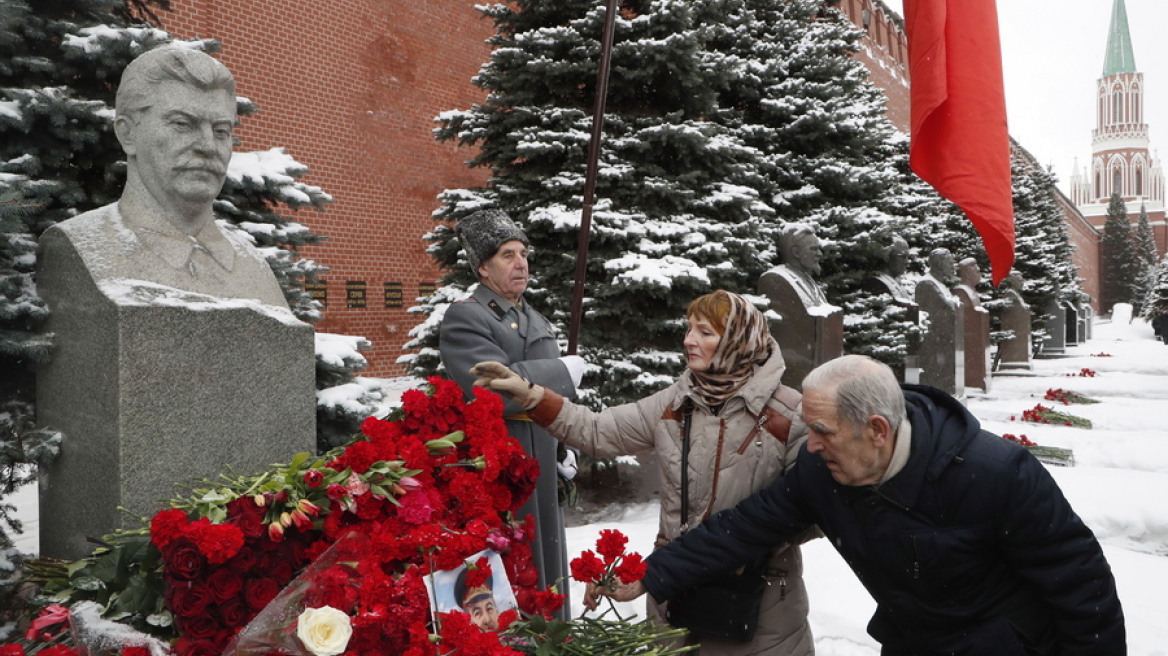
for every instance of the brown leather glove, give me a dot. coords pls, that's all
(497, 377)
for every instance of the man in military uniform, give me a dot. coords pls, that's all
(496, 324)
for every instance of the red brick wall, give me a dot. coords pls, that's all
(1085, 239)
(351, 88)
(884, 51)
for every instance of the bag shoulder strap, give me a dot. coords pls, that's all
(686, 420)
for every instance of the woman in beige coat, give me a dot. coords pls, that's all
(745, 431)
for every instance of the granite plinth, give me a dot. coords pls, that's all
(976, 338)
(808, 335)
(942, 353)
(152, 387)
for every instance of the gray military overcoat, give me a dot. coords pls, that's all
(488, 327)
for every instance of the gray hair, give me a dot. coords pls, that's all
(863, 387)
(138, 86)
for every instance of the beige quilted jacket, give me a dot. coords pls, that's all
(753, 440)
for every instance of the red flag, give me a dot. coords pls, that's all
(960, 143)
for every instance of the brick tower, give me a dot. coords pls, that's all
(1121, 159)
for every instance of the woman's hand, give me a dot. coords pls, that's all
(622, 592)
(496, 377)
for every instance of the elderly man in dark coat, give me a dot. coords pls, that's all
(496, 323)
(964, 540)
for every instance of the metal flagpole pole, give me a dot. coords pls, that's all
(590, 175)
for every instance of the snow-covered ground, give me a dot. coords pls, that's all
(1119, 486)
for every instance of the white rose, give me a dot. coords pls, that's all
(324, 631)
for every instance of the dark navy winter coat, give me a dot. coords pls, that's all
(970, 549)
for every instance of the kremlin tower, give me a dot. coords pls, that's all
(1121, 160)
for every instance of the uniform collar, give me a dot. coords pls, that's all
(496, 303)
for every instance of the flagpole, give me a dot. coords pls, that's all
(590, 175)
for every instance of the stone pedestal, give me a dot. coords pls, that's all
(942, 354)
(976, 338)
(1015, 353)
(153, 386)
(809, 334)
(1055, 343)
(1088, 320)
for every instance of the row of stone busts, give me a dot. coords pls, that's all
(953, 351)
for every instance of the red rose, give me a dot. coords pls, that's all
(189, 599)
(11, 650)
(244, 513)
(276, 565)
(188, 647)
(243, 561)
(202, 627)
(183, 560)
(335, 491)
(225, 583)
(313, 478)
(167, 526)
(235, 613)
(135, 651)
(259, 592)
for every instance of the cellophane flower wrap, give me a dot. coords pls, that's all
(417, 494)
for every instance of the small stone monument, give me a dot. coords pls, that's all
(890, 281)
(811, 330)
(1055, 344)
(1088, 318)
(175, 353)
(942, 354)
(976, 320)
(1014, 353)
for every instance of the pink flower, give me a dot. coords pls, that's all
(355, 485)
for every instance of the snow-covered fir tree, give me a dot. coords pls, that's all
(1156, 301)
(725, 119)
(1145, 249)
(1119, 259)
(60, 62)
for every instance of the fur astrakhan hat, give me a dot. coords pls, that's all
(483, 232)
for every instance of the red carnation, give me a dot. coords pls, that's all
(166, 526)
(11, 650)
(631, 569)
(587, 568)
(218, 542)
(611, 545)
(478, 575)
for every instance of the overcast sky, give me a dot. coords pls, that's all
(1052, 53)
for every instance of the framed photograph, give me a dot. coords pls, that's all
(463, 589)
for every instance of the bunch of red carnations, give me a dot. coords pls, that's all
(424, 492)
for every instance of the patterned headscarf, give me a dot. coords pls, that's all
(746, 341)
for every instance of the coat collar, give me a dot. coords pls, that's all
(494, 302)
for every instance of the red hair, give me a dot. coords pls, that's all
(713, 307)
